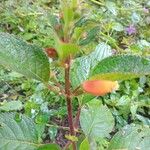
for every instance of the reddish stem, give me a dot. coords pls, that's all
(68, 99)
(76, 125)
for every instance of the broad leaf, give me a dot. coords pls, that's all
(96, 120)
(20, 134)
(24, 58)
(81, 66)
(49, 147)
(85, 145)
(131, 137)
(12, 105)
(15, 135)
(121, 67)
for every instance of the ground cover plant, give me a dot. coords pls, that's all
(81, 78)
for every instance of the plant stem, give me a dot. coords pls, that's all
(76, 123)
(68, 99)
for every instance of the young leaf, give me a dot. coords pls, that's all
(96, 120)
(131, 137)
(68, 15)
(64, 50)
(24, 58)
(121, 67)
(82, 66)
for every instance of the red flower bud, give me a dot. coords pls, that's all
(51, 52)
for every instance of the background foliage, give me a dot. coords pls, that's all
(123, 27)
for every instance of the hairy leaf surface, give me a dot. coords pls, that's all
(82, 66)
(24, 58)
(121, 67)
(15, 135)
(131, 137)
(20, 134)
(96, 120)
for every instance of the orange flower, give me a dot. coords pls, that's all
(100, 87)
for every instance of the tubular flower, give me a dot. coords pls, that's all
(100, 87)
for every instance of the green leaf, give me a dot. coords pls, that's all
(21, 134)
(12, 105)
(117, 26)
(82, 66)
(15, 74)
(64, 50)
(96, 120)
(85, 145)
(42, 118)
(131, 137)
(53, 19)
(24, 58)
(68, 15)
(17, 135)
(71, 138)
(121, 67)
(74, 3)
(133, 108)
(86, 98)
(40, 131)
(111, 6)
(82, 21)
(53, 132)
(135, 17)
(144, 120)
(49, 147)
(90, 36)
